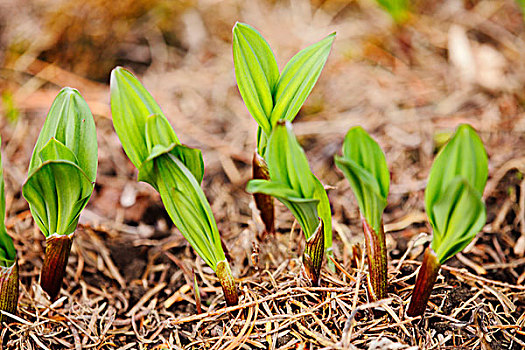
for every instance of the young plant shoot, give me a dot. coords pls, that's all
(364, 165)
(293, 183)
(454, 207)
(174, 170)
(271, 96)
(8, 261)
(61, 178)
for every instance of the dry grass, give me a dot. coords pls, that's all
(130, 281)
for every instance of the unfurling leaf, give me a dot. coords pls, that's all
(453, 196)
(364, 165)
(131, 105)
(291, 180)
(188, 207)
(63, 166)
(174, 170)
(454, 207)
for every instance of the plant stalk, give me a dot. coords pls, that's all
(263, 202)
(58, 248)
(225, 276)
(377, 259)
(9, 290)
(426, 278)
(313, 255)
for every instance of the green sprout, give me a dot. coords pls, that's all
(293, 183)
(174, 170)
(271, 96)
(8, 261)
(454, 207)
(61, 179)
(364, 165)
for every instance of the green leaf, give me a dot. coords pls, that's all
(7, 248)
(131, 105)
(160, 139)
(70, 122)
(303, 209)
(188, 207)
(298, 79)
(256, 72)
(159, 133)
(287, 163)
(324, 212)
(364, 165)
(63, 166)
(57, 190)
(291, 180)
(460, 215)
(463, 155)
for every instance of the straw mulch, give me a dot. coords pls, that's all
(130, 277)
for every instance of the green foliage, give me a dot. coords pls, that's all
(268, 95)
(399, 10)
(173, 169)
(292, 181)
(7, 248)
(364, 165)
(131, 105)
(453, 196)
(63, 165)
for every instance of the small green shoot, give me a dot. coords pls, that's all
(174, 170)
(454, 207)
(61, 179)
(293, 183)
(364, 165)
(271, 96)
(8, 262)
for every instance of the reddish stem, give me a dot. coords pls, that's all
(426, 278)
(313, 255)
(58, 248)
(377, 259)
(263, 202)
(229, 288)
(9, 290)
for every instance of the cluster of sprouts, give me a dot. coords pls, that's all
(63, 169)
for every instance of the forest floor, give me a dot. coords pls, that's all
(129, 281)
